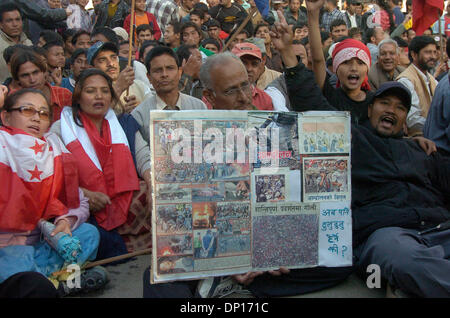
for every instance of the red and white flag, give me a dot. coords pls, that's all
(106, 168)
(425, 13)
(39, 179)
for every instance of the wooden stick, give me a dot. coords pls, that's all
(441, 38)
(239, 29)
(131, 38)
(109, 260)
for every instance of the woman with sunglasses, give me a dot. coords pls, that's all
(37, 184)
(91, 130)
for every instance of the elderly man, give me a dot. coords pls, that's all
(255, 62)
(387, 67)
(399, 233)
(164, 73)
(11, 33)
(421, 84)
(227, 85)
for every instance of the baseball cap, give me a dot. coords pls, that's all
(98, 47)
(397, 89)
(242, 49)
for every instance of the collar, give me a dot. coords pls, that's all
(22, 38)
(162, 105)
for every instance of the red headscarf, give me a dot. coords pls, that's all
(348, 49)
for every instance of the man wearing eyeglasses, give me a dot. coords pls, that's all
(227, 85)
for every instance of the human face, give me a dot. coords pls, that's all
(411, 35)
(300, 51)
(241, 37)
(164, 74)
(379, 35)
(195, 19)
(98, 37)
(327, 42)
(301, 33)
(54, 4)
(212, 48)
(191, 36)
(140, 5)
(145, 35)
(212, 3)
(231, 88)
(30, 76)
(338, 31)
(403, 58)
(188, 4)
(11, 24)
(108, 62)
(83, 42)
(214, 32)
(387, 115)
(263, 33)
(352, 73)
(388, 57)
(56, 57)
(35, 125)
(95, 98)
(427, 57)
(294, 5)
(147, 49)
(254, 67)
(170, 36)
(80, 64)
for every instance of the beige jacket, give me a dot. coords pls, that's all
(6, 41)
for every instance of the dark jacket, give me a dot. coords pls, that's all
(358, 19)
(123, 10)
(394, 182)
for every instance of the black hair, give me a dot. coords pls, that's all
(368, 34)
(10, 50)
(8, 7)
(198, 13)
(78, 34)
(146, 44)
(260, 25)
(324, 35)
(76, 54)
(184, 51)
(144, 27)
(418, 43)
(176, 27)
(51, 36)
(191, 25)
(211, 41)
(400, 42)
(336, 23)
(448, 46)
(107, 33)
(68, 33)
(49, 45)
(159, 51)
(299, 25)
(213, 22)
(201, 6)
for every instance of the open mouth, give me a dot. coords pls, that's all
(388, 121)
(34, 129)
(99, 105)
(353, 79)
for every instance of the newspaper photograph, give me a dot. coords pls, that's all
(324, 134)
(326, 179)
(238, 191)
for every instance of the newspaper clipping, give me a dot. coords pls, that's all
(238, 191)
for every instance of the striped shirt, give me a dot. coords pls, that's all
(329, 17)
(165, 11)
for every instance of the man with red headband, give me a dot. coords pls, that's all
(351, 64)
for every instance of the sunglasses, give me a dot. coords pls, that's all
(29, 111)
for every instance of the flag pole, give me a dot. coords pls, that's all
(131, 38)
(441, 38)
(239, 29)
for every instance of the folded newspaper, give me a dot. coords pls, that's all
(241, 191)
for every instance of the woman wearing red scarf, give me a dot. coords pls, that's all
(39, 182)
(107, 174)
(351, 63)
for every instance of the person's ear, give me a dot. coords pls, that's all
(4, 115)
(208, 94)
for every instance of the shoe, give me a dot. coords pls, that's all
(218, 287)
(90, 280)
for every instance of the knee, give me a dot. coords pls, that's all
(87, 234)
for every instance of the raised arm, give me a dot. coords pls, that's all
(318, 60)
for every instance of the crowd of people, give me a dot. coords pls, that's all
(77, 96)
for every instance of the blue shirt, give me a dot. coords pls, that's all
(437, 125)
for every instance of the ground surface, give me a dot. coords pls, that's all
(126, 282)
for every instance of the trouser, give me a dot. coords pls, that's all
(42, 258)
(27, 285)
(297, 282)
(416, 264)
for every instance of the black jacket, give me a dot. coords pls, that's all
(123, 10)
(394, 182)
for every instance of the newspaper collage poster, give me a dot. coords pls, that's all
(238, 191)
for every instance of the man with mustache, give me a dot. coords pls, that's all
(421, 84)
(387, 67)
(399, 192)
(105, 56)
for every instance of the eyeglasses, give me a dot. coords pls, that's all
(29, 111)
(233, 92)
